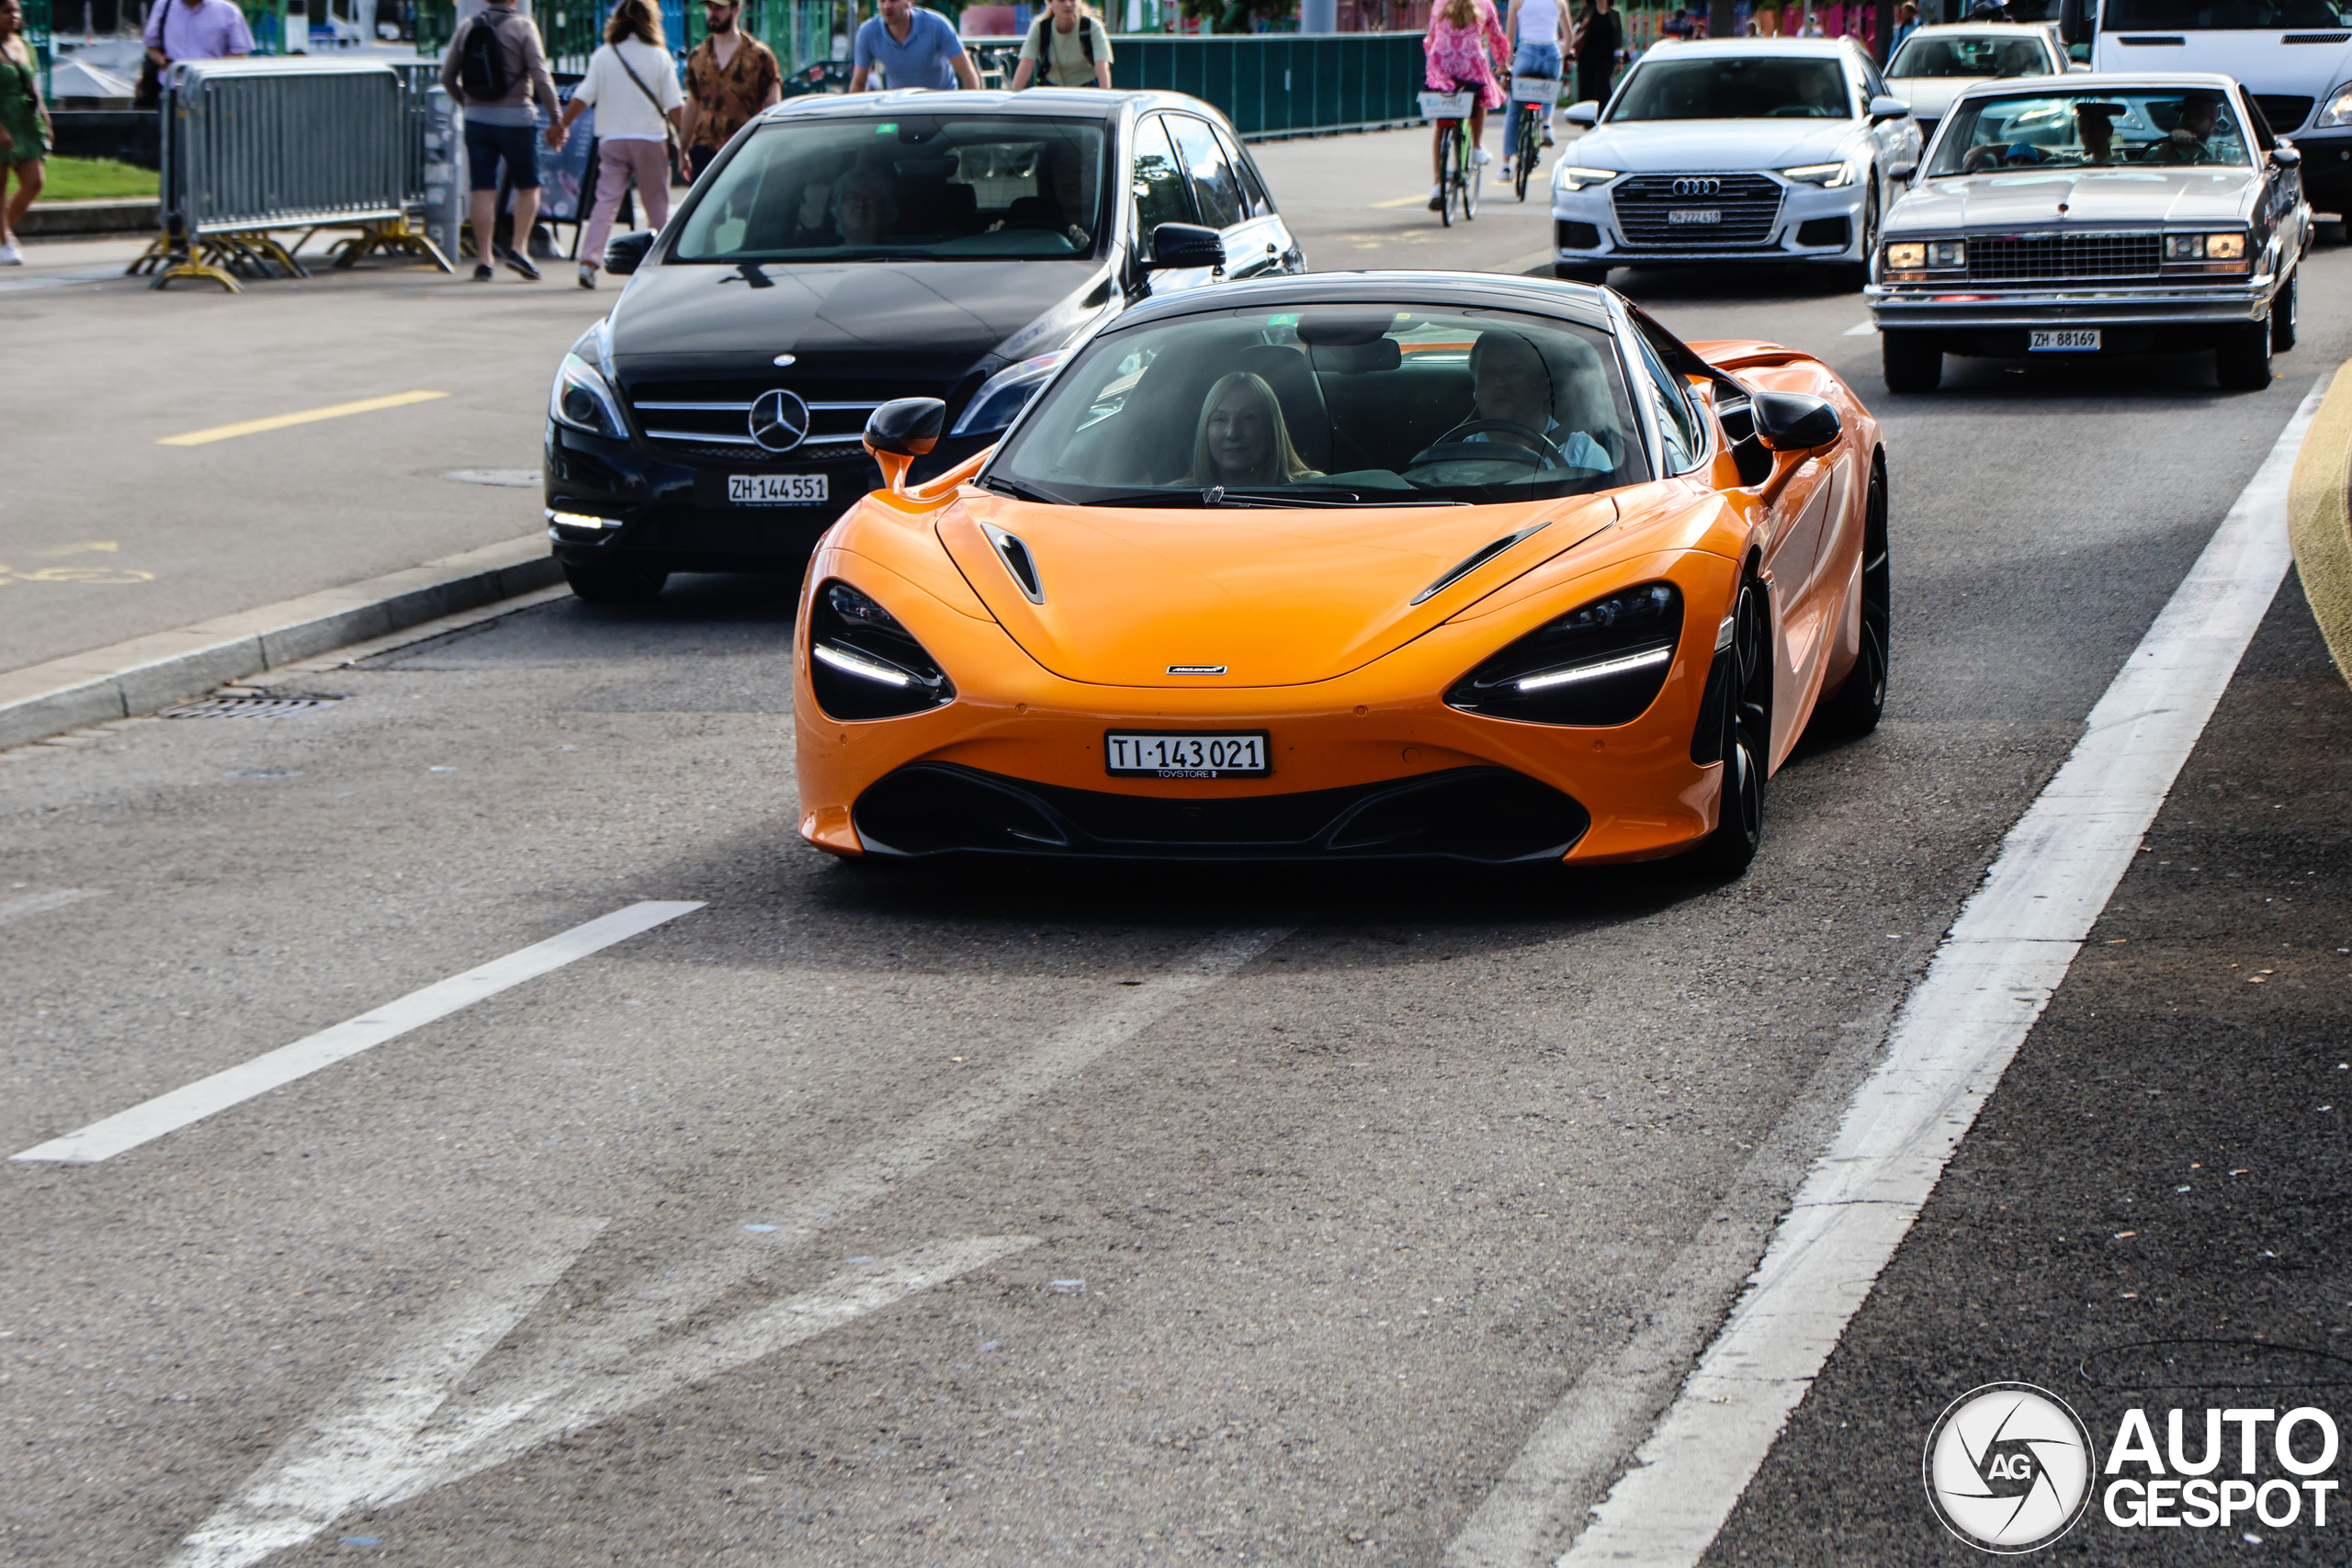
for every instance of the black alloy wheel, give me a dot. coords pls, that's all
(613, 582)
(1856, 708)
(2242, 362)
(2285, 306)
(1739, 816)
(1909, 362)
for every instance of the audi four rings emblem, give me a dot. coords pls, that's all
(1698, 187)
(779, 420)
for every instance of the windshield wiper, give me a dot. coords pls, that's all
(1328, 495)
(1020, 492)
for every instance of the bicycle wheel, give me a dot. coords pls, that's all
(1448, 156)
(1531, 147)
(1470, 183)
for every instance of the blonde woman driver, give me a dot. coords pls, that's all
(1242, 442)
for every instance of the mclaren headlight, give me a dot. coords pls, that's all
(1003, 395)
(1820, 174)
(584, 400)
(1600, 664)
(863, 664)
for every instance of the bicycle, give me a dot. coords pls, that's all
(1537, 97)
(1458, 179)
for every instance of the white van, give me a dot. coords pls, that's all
(2294, 58)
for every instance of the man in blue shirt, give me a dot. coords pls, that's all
(915, 48)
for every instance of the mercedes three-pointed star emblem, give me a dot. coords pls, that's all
(779, 420)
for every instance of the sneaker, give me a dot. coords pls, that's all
(482, 273)
(520, 263)
(587, 276)
(1548, 139)
(10, 256)
(1506, 169)
(1481, 156)
(1437, 199)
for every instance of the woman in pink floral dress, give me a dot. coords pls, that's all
(1464, 40)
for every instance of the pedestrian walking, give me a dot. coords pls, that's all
(188, 30)
(1534, 28)
(915, 48)
(1601, 34)
(731, 77)
(496, 66)
(25, 132)
(634, 89)
(1906, 22)
(1068, 46)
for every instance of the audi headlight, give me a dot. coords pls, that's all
(584, 400)
(863, 664)
(1821, 174)
(2335, 109)
(1600, 664)
(1570, 177)
(1003, 395)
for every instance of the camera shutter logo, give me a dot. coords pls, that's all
(1698, 187)
(2008, 1468)
(779, 420)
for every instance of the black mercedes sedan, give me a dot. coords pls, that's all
(846, 250)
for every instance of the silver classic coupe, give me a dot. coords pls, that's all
(2090, 215)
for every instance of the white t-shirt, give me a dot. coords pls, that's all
(1539, 21)
(624, 114)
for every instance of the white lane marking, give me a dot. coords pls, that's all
(388, 1444)
(233, 1085)
(17, 906)
(1868, 328)
(1954, 1038)
(340, 1461)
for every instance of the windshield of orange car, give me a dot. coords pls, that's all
(2098, 129)
(942, 187)
(1354, 404)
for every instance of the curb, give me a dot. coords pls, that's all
(163, 668)
(106, 215)
(2319, 519)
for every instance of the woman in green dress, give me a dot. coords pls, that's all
(24, 128)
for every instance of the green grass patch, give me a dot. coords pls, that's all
(96, 179)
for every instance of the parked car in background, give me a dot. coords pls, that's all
(1934, 63)
(1737, 150)
(2095, 214)
(847, 251)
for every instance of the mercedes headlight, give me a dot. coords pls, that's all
(584, 400)
(1600, 664)
(862, 664)
(2335, 109)
(1003, 395)
(1570, 177)
(1821, 174)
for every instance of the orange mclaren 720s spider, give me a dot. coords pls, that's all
(1353, 565)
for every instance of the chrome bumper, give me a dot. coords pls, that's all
(1933, 305)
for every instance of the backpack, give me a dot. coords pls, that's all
(1046, 42)
(482, 70)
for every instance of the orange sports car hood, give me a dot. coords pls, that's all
(1278, 597)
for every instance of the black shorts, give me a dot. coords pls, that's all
(516, 146)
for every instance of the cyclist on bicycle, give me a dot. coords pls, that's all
(1536, 24)
(1465, 40)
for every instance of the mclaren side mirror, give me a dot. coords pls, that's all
(2285, 157)
(1185, 245)
(1883, 108)
(1794, 422)
(900, 432)
(624, 254)
(1586, 114)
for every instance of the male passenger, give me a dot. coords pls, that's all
(915, 48)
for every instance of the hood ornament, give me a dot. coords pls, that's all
(2062, 208)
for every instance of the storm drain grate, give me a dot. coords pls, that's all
(247, 705)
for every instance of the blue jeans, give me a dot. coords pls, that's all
(1532, 60)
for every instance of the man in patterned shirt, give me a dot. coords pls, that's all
(731, 77)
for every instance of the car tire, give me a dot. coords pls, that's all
(2242, 363)
(1856, 708)
(1740, 814)
(1566, 272)
(607, 582)
(1861, 271)
(2284, 309)
(1910, 362)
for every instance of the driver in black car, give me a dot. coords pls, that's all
(1513, 388)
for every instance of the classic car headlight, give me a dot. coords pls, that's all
(1601, 663)
(1908, 257)
(1572, 178)
(2335, 109)
(1926, 255)
(2205, 247)
(863, 664)
(1821, 174)
(584, 400)
(1003, 395)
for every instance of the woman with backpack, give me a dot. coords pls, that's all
(1068, 46)
(634, 87)
(496, 66)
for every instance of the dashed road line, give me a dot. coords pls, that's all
(18, 905)
(1868, 328)
(233, 1086)
(307, 416)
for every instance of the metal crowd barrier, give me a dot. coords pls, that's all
(255, 145)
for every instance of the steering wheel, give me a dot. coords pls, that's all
(1448, 448)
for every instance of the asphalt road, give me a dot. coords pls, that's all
(858, 1217)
